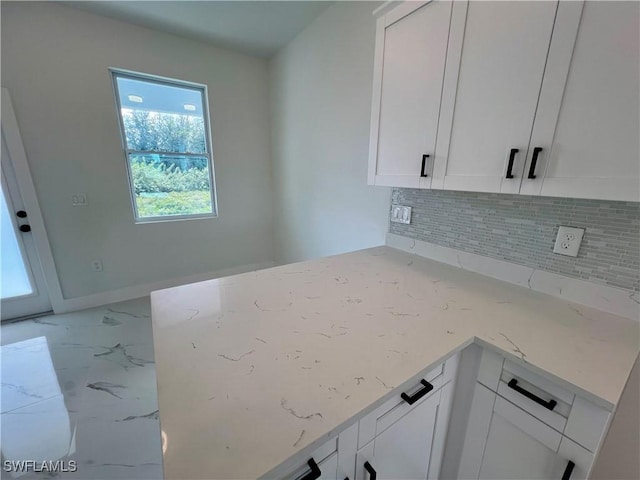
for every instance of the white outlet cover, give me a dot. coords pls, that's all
(568, 241)
(96, 265)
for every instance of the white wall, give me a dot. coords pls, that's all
(320, 106)
(54, 63)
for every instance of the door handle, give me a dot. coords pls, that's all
(424, 164)
(21, 214)
(568, 471)
(372, 472)
(512, 157)
(315, 470)
(534, 160)
(550, 405)
(25, 228)
(418, 395)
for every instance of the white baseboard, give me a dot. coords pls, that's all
(137, 291)
(602, 297)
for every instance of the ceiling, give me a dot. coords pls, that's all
(257, 28)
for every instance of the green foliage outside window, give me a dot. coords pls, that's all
(167, 184)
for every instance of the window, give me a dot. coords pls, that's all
(165, 135)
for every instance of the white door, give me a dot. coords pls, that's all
(501, 68)
(505, 442)
(518, 446)
(595, 152)
(403, 451)
(411, 49)
(22, 288)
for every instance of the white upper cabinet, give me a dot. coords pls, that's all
(411, 47)
(501, 68)
(536, 98)
(594, 152)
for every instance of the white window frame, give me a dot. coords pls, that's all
(117, 72)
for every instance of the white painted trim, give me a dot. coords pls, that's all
(15, 146)
(402, 10)
(137, 291)
(374, 126)
(602, 297)
(116, 73)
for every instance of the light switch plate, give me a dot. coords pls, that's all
(400, 214)
(568, 241)
(79, 200)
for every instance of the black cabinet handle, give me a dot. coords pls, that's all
(418, 395)
(25, 228)
(512, 157)
(372, 472)
(550, 405)
(534, 160)
(315, 471)
(424, 164)
(568, 471)
(21, 214)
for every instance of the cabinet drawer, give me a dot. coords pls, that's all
(575, 417)
(536, 395)
(395, 408)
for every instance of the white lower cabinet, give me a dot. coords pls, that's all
(503, 441)
(403, 438)
(405, 449)
(507, 422)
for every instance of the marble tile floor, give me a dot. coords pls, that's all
(81, 387)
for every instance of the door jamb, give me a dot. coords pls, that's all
(27, 189)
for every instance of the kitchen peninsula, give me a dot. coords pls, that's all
(256, 369)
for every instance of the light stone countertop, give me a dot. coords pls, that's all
(254, 368)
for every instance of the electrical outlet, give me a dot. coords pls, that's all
(96, 265)
(568, 241)
(400, 214)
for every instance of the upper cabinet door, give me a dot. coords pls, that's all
(410, 54)
(594, 152)
(501, 67)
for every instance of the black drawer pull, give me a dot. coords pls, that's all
(418, 395)
(550, 405)
(424, 164)
(512, 157)
(372, 472)
(25, 228)
(568, 471)
(534, 160)
(315, 471)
